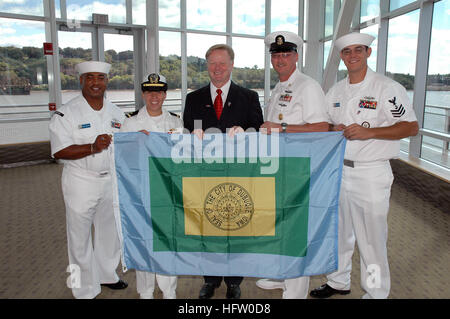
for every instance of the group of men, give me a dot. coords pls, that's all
(372, 110)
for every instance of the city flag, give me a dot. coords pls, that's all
(254, 205)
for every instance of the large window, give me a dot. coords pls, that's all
(169, 13)
(437, 104)
(170, 67)
(119, 53)
(139, 12)
(249, 68)
(285, 17)
(369, 9)
(83, 10)
(74, 47)
(395, 4)
(197, 45)
(206, 15)
(401, 54)
(329, 18)
(373, 31)
(187, 28)
(23, 66)
(249, 17)
(29, 7)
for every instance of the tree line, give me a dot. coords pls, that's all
(27, 66)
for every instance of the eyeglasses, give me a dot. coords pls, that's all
(280, 55)
(358, 50)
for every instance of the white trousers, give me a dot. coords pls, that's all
(145, 284)
(363, 211)
(296, 288)
(88, 201)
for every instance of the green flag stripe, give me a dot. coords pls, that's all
(292, 201)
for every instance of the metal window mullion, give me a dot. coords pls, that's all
(139, 61)
(382, 40)
(356, 14)
(152, 36)
(421, 72)
(100, 32)
(301, 30)
(128, 12)
(183, 39)
(94, 45)
(268, 26)
(53, 68)
(21, 16)
(343, 26)
(336, 9)
(63, 9)
(229, 22)
(403, 10)
(314, 48)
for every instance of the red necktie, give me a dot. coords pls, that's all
(218, 104)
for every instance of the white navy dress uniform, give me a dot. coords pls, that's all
(165, 123)
(299, 100)
(377, 101)
(86, 186)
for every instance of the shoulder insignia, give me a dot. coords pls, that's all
(130, 114)
(174, 114)
(59, 113)
(397, 111)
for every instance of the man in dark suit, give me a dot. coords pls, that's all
(227, 107)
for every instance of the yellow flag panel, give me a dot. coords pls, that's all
(229, 206)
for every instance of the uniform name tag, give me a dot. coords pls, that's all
(337, 104)
(87, 125)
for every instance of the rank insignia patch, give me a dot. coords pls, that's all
(398, 111)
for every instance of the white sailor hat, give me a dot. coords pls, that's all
(156, 82)
(283, 41)
(354, 38)
(92, 66)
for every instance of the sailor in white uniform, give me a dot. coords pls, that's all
(374, 113)
(80, 134)
(297, 104)
(152, 118)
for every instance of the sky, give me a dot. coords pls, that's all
(209, 15)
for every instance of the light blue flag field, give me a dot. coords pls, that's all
(254, 205)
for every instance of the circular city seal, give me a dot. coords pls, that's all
(228, 206)
(365, 124)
